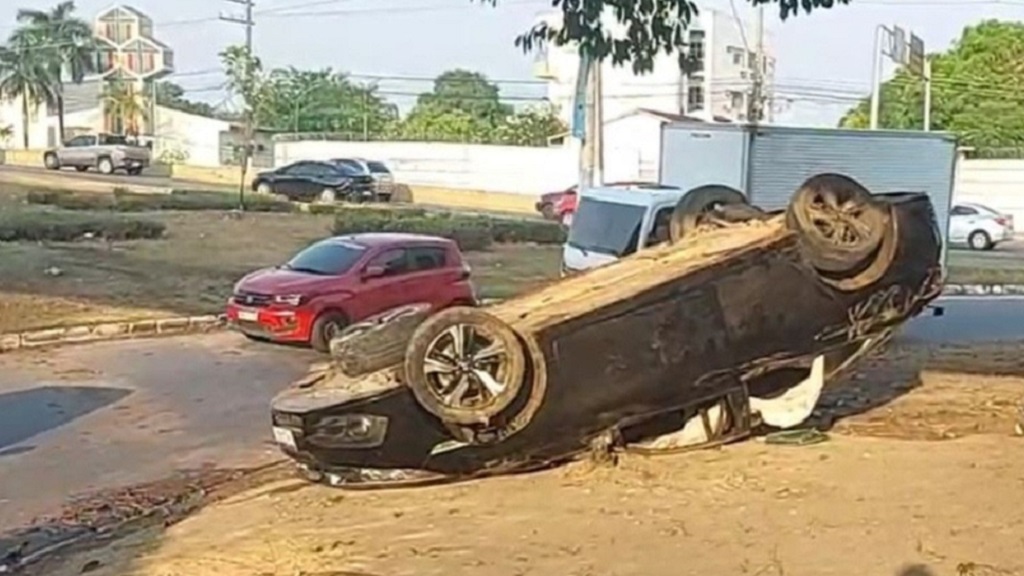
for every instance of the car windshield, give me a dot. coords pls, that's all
(378, 168)
(328, 258)
(606, 227)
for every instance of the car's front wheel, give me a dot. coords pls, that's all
(465, 366)
(326, 327)
(264, 188)
(105, 166)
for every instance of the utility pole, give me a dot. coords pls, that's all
(247, 147)
(755, 108)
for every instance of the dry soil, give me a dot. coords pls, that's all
(922, 474)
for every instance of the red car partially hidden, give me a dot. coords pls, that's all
(561, 205)
(345, 279)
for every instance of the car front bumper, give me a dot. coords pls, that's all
(279, 325)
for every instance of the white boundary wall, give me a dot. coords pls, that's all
(523, 170)
(515, 169)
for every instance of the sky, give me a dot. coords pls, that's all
(823, 60)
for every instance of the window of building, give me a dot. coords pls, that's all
(696, 50)
(737, 100)
(736, 54)
(695, 98)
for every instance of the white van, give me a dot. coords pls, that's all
(612, 222)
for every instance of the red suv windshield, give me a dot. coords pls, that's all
(329, 258)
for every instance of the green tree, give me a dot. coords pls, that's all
(67, 47)
(651, 27)
(325, 101)
(977, 90)
(171, 95)
(432, 122)
(469, 92)
(127, 106)
(24, 74)
(530, 127)
(247, 79)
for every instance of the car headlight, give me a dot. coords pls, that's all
(349, 431)
(291, 300)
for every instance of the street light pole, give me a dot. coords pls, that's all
(927, 95)
(247, 147)
(876, 75)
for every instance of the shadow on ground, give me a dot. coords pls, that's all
(28, 413)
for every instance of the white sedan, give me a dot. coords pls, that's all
(979, 227)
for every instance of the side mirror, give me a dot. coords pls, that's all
(373, 272)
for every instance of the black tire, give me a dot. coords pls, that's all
(507, 369)
(50, 161)
(979, 240)
(326, 327)
(695, 204)
(872, 270)
(825, 200)
(378, 342)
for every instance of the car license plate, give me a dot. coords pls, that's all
(248, 315)
(284, 437)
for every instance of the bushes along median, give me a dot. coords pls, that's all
(53, 226)
(127, 201)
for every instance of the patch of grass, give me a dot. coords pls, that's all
(26, 224)
(193, 269)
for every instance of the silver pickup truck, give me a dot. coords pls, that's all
(104, 152)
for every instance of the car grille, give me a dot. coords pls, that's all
(251, 299)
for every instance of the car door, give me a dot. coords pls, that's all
(429, 276)
(962, 220)
(389, 290)
(74, 151)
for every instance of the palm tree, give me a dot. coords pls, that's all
(70, 48)
(25, 74)
(127, 105)
(6, 132)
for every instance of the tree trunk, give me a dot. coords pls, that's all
(24, 120)
(60, 112)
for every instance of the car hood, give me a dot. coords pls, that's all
(281, 281)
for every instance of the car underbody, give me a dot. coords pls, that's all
(735, 326)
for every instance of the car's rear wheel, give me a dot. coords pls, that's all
(979, 240)
(105, 166)
(379, 341)
(839, 223)
(51, 161)
(465, 366)
(327, 326)
(697, 206)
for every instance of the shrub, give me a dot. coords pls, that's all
(471, 232)
(123, 200)
(47, 225)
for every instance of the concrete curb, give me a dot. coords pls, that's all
(983, 290)
(110, 331)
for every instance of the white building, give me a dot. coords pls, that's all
(724, 50)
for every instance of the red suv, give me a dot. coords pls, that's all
(345, 279)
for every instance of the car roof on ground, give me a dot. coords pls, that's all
(372, 239)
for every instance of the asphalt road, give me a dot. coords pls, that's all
(970, 319)
(118, 178)
(98, 416)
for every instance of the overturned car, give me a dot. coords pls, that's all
(736, 321)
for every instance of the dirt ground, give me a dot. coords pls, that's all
(922, 475)
(193, 269)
